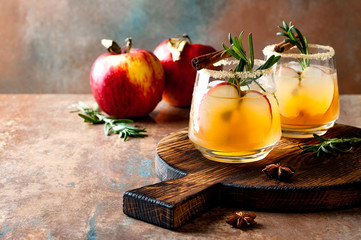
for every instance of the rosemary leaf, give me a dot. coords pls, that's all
(107, 128)
(300, 42)
(231, 52)
(250, 44)
(111, 124)
(89, 119)
(282, 34)
(230, 38)
(331, 146)
(237, 51)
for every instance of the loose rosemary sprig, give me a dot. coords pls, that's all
(237, 51)
(332, 145)
(111, 124)
(300, 41)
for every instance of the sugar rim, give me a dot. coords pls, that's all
(221, 74)
(330, 52)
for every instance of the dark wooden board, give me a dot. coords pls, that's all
(191, 184)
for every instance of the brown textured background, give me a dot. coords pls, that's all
(48, 46)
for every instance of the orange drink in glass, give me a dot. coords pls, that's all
(234, 123)
(308, 96)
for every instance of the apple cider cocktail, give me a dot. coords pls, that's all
(234, 114)
(307, 88)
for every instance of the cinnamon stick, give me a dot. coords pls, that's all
(207, 60)
(284, 46)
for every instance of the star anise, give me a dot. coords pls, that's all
(276, 171)
(241, 220)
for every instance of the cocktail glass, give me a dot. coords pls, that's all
(307, 90)
(232, 123)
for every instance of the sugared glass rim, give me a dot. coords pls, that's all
(222, 74)
(329, 52)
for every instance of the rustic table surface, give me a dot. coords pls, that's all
(61, 178)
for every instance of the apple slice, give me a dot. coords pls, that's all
(224, 89)
(258, 103)
(215, 110)
(311, 92)
(287, 82)
(318, 87)
(214, 83)
(287, 72)
(295, 66)
(253, 118)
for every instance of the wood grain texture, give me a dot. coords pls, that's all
(192, 184)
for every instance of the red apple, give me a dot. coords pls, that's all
(127, 83)
(176, 57)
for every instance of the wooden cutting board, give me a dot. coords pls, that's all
(191, 184)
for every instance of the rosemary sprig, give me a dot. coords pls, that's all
(298, 40)
(237, 51)
(111, 124)
(332, 145)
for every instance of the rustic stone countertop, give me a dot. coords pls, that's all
(61, 178)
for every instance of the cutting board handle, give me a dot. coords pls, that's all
(172, 203)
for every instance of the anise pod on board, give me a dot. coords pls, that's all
(279, 172)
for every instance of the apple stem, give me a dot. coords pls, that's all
(185, 37)
(128, 44)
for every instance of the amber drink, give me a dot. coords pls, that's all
(307, 90)
(233, 123)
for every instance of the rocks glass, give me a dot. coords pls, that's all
(234, 123)
(307, 90)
